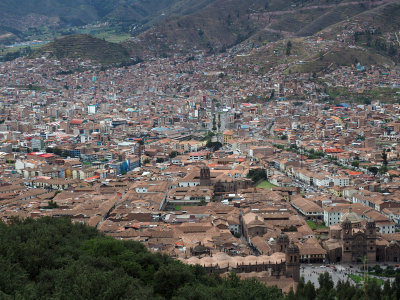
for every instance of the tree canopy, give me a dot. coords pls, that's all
(51, 258)
(257, 174)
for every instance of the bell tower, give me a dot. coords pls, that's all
(347, 245)
(293, 262)
(370, 231)
(282, 242)
(205, 177)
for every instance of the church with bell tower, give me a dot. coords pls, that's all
(355, 239)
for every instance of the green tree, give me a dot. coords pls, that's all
(257, 175)
(373, 170)
(173, 154)
(214, 146)
(214, 127)
(169, 278)
(57, 151)
(288, 48)
(51, 204)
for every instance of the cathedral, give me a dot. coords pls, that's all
(355, 239)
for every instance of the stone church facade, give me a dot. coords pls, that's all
(355, 239)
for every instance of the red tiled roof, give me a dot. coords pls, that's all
(92, 178)
(46, 155)
(354, 173)
(334, 150)
(76, 122)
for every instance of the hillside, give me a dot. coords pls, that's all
(60, 13)
(85, 47)
(53, 259)
(231, 20)
(225, 23)
(385, 17)
(213, 26)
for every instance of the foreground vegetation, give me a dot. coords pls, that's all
(52, 258)
(345, 291)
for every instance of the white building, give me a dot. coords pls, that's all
(92, 109)
(386, 227)
(332, 215)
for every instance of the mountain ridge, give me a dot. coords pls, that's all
(213, 26)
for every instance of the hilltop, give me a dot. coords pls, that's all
(86, 47)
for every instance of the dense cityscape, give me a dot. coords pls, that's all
(221, 160)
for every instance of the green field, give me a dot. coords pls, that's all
(360, 278)
(110, 34)
(6, 50)
(314, 225)
(112, 37)
(266, 185)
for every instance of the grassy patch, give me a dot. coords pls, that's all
(360, 278)
(178, 208)
(314, 225)
(266, 185)
(5, 50)
(112, 37)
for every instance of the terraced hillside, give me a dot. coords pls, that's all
(85, 47)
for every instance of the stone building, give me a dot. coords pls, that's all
(278, 265)
(354, 239)
(253, 226)
(222, 183)
(388, 251)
